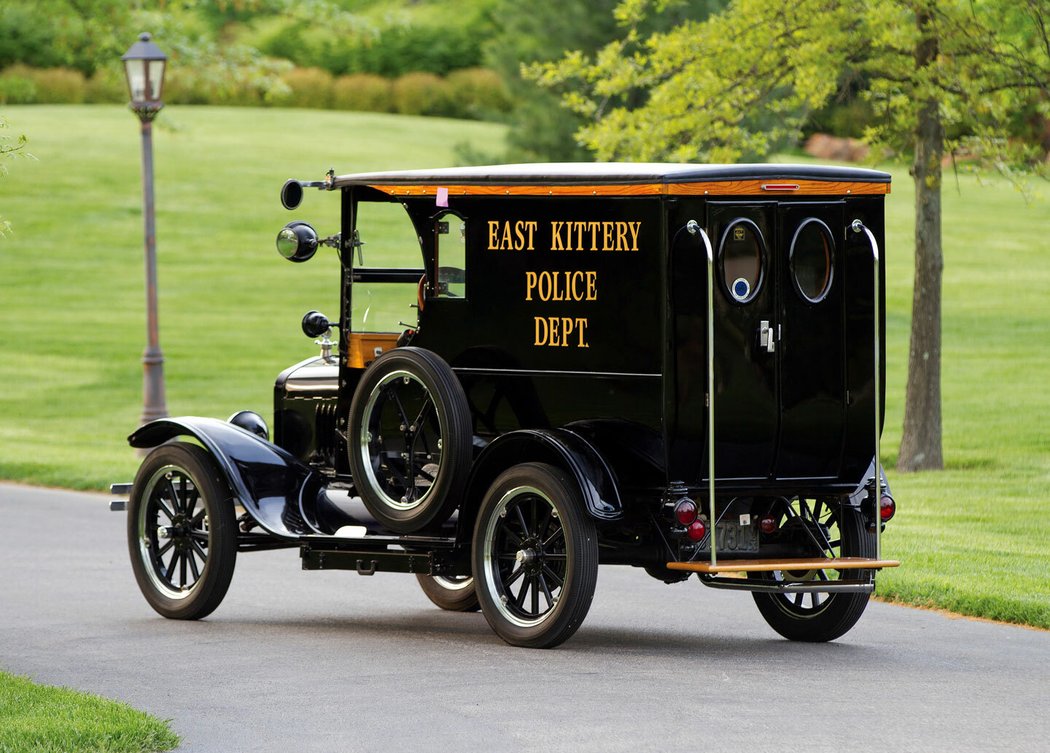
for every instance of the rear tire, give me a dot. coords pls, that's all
(819, 617)
(182, 532)
(535, 556)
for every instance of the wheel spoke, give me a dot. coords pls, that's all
(175, 501)
(427, 405)
(169, 571)
(515, 539)
(396, 399)
(164, 550)
(182, 569)
(535, 595)
(520, 600)
(513, 577)
(554, 537)
(193, 566)
(521, 520)
(558, 582)
(546, 590)
(167, 511)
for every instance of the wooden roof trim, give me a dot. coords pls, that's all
(766, 187)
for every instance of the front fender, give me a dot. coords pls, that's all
(274, 488)
(559, 447)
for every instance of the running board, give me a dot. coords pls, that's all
(766, 566)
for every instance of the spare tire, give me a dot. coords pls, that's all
(410, 439)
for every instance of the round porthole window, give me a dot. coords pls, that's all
(741, 254)
(812, 251)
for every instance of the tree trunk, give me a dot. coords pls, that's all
(921, 438)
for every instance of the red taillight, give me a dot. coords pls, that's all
(768, 524)
(685, 511)
(696, 530)
(887, 508)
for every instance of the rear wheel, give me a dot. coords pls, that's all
(182, 532)
(820, 616)
(454, 593)
(535, 556)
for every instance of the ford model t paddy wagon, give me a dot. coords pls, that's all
(673, 367)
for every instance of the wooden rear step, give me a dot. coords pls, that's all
(803, 563)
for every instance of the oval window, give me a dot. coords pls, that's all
(742, 252)
(811, 254)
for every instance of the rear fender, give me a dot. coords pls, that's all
(558, 447)
(277, 490)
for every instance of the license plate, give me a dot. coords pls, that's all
(731, 537)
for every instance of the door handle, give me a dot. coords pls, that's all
(765, 337)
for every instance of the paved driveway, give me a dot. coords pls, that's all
(326, 661)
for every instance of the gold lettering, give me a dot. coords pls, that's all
(634, 228)
(558, 331)
(579, 236)
(621, 236)
(607, 236)
(592, 286)
(593, 228)
(530, 285)
(493, 224)
(581, 327)
(556, 242)
(531, 225)
(541, 327)
(505, 242)
(577, 277)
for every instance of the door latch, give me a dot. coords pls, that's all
(765, 336)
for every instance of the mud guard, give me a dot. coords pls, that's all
(275, 488)
(559, 447)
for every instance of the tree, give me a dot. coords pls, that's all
(942, 76)
(540, 129)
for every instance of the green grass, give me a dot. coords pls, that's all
(973, 538)
(57, 720)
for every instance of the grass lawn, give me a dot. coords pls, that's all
(973, 538)
(57, 720)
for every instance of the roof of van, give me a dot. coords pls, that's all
(624, 178)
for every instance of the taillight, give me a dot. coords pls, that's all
(696, 530)
(685, 511)
(887, 508)
(767, 524)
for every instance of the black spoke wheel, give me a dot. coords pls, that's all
(535, 556)
(454, 593)
(410, 441)
(182, 532)
(818, 616)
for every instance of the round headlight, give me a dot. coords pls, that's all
(297, 241)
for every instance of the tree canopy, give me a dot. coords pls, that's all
(965, 78)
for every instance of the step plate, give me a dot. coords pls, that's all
(766, 566)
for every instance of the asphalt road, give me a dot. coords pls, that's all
(324, 661)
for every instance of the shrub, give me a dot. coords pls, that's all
(25, 85)
(108, 86)
(421, 94)
(364, 92)
(478, 93)
(16, 88)
(309, 87)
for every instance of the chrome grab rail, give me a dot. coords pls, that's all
(694, 229)
(859, 227)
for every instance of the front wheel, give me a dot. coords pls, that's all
(819, 616)
(535, 556)
(182, 532)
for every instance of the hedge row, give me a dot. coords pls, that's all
(475, 93)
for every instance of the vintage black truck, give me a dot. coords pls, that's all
(669, 366)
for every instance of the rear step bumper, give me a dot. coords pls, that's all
(797, 574)
(795, 564)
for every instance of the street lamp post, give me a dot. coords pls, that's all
(144, 65)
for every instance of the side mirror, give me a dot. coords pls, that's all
(297, 241)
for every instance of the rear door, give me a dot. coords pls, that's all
(810, 338)
(745, 306)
